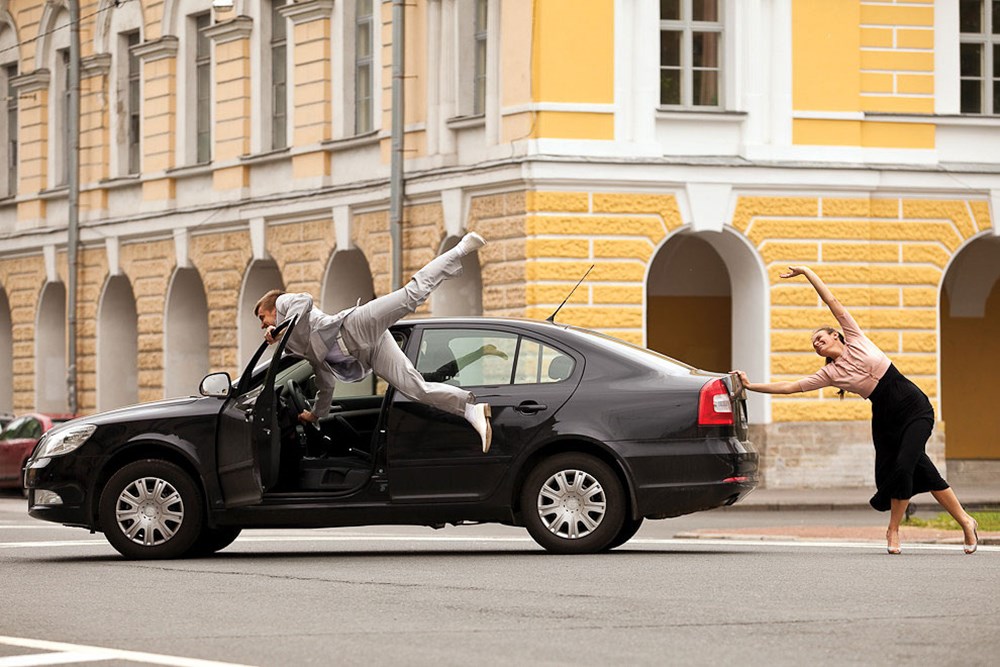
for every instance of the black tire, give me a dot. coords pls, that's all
(167, 508)
(212, 540)
(629, 528)
(554, 504)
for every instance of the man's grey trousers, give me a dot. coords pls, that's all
(367, 339)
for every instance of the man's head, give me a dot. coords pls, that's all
(266, 309)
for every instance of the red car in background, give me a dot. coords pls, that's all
(18, 440)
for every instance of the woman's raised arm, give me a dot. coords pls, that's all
(824, 292)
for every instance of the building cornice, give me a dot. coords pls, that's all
(158, 49)
(230, 31)
(310, 10)
(32, 81)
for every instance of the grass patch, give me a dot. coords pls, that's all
(988, 521)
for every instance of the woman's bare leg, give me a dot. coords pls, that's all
(949, 501)
(896, 514)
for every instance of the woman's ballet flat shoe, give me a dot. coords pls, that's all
(895, 551)
(971, 548)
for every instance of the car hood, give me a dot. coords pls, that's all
(165, 409)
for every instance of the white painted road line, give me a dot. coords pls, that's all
(485, 539)
(61, 653)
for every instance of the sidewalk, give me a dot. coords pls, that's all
(972, 497)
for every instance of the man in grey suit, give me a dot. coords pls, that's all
(349, 345)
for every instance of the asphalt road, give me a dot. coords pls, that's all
(486, 595)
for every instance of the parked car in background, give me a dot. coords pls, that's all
(18, 439)
(591, 435)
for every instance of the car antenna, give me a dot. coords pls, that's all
(552, 318)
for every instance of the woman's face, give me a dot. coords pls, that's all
(826, 343)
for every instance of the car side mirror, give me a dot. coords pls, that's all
(216, 384)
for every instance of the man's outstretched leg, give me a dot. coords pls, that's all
(365, 335)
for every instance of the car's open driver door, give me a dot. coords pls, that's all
(249, 447)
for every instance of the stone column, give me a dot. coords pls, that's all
(33, 127)
(159, 119)
(311, 86)
(232, 103)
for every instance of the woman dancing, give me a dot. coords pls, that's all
(902, 417)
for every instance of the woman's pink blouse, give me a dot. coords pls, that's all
(857, 370)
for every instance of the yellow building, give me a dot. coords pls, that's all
(689, 149)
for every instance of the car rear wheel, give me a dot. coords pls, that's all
(573, 503)
(214, 539)
(151, 509)
(629, 528)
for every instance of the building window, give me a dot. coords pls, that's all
(64, 138)
(203, 88)
(363, 66)
(9, 129)
(690, 53)
(979, 24)
(479, 76)
(133, 81)
(279, 78)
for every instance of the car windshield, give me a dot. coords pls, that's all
(638, 354)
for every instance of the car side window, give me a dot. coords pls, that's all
(33, 429)
(23, 427)
(538, 363)
(467, 357)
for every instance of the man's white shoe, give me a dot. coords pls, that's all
(470, 243)
(479, 414)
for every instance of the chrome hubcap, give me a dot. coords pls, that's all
(149, 511)
(572, 504)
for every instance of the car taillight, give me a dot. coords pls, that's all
(714, 406)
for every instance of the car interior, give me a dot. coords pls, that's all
(335, 454)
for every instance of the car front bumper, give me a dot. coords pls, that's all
(57, 475)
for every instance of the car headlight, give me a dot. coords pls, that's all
(64, 441)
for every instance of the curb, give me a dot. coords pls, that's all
(956, 541)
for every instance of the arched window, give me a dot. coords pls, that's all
(461, 295)
(50, 350)
(261, 277)
(185, 334)
(119, 33)
(117, 346)
(6, 356)
(55, 58)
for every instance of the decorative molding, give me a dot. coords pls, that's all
(51, 273)
(342, 221)
(310, 10)
(230, 31)
(98, 64)
(181, 248)
(32, 81)
(112, 245)
(158, 49)
(258, 238)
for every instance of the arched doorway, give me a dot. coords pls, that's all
(185, 334)
(970, 360)
(117, 346)
(707, 305)
(348, 278)
(6, 356)
(261, 276)
(50, 350)
(461, 295)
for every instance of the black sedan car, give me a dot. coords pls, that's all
(590, 436)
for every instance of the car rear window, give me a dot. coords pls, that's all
(638, 354)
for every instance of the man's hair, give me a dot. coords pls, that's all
(268, 301)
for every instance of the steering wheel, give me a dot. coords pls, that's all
(297, 399)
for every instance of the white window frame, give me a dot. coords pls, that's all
(269, 106)
(191, 29)
(9, 131)
(358, 62)
(687, 26)
(343, 50)
(989, 81)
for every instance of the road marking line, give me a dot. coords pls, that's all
(91, 653)
(812, 544)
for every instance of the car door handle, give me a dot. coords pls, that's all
(530, 407)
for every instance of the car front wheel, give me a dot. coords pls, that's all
(151, 509)
(573, 503)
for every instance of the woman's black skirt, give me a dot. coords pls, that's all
(902, 420)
